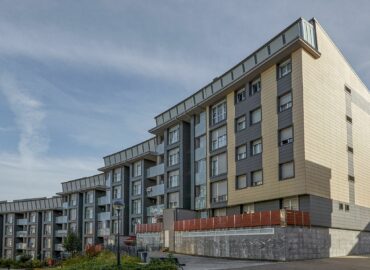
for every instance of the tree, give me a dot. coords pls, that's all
(72, 243)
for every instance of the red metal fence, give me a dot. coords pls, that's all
(258, 219)
(146, 228)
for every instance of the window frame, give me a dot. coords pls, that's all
(252, 153)
(251, 123)
(289, 140)
(237, 152)
(237, 124)
(252, 83)
(286, 106)
(259, 183)
(280, 170)
(287, 63)
(237, 187)
(243, 93)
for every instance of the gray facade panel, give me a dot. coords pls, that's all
(285, 118)
(267, 205)
(284, 84)
(286, 153)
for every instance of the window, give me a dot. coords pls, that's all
(173, 179)
(173, 134)
(200, 171)
(257, 178)
(350, 149)
(341, 206)
(73, 199)
(33, 230)
(8, 242)
(89, 197)
(173, 200)
(285, 102)
(255, 116)
(73, 227)
(241, 181)
(248, 208)
(219, 138)
(347, 208)
(351, 178)
(284, 68)
(291, 203)
(219, 164)
(31, 243)
(47, 229)
(33, 217)
(286, 170)
(48, 216)
(47, 243)
(89, 212)
(218, 112)
(240, 95)
(348, 91)
(256, 147)
(134, 222)
(137, 169)
(173, 157)
(136, 188)
(136, 207)
(200, 142)
(255, 86)
(219, 191)
(117, 192)
(117, 175)
(240, 123)
(349, 119)
(8, 230)
(88, 241)
(241, 152)
(220, 212)
(9, 218)
(286, 136)
(72, 214)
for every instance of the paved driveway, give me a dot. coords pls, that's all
(204, 263)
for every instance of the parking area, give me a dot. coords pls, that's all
(205, 263)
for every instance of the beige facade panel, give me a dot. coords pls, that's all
(325, 125)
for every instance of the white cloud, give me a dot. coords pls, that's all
(29, 117)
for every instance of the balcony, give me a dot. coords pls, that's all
(22, 221)
(155, 171)
(61, 220)
(200, 128)
(22, 234)
(154, 191)
(219, 199)
(61, 233)
(103, 200)
(59, 247)
(200, 202)
(65, 205)
(21, 246)
(155, 210)
(104, 216)
(103, 232)
(160, 149)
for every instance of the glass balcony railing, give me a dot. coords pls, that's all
(200, 202)
(22, 221)
(104, 216)
(61, 233)
(103, 200)
(22, 234)
(155, 210)
(59, 247)
(61, 219)
(21, 246)
(155, 171)
(154, 191)
(103, 232)
(200, 153)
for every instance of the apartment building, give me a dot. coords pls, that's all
(287, 127)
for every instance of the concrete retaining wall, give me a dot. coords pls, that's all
(283, 244)
(150, 241)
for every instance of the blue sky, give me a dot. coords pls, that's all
(82, 79)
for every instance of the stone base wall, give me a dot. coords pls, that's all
(278, 244)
